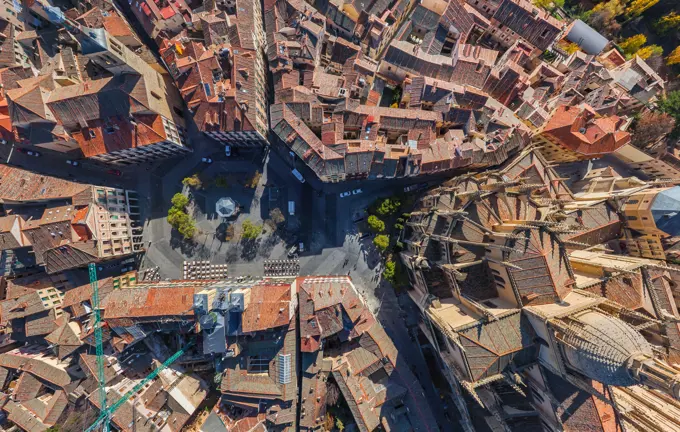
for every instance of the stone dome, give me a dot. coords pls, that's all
(600, 347)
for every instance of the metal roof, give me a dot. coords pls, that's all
(587, 38)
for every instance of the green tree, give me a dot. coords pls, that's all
(382, 242)
(388, 206)
(389, 274)
(668, 22)
(632, 44)
(339, 425)
(187, 228)
(648, 51)
(193, 182)
(179, 200)
(376, 224)
(671, 105)
(251, 230)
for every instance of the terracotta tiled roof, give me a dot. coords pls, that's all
(115, 134)
(269, 307)
(20, 185)
(582, 131)
(149, 302)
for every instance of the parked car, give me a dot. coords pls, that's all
(114, 172)
(298, 176)
(415, 187)
(206, 160)
(29, 152)
(3, 141)
(345, 194)
(292, 251)
(73, 162)
(356, 191)
(227, 151)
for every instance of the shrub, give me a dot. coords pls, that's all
(251, 230)
(221, 182)
(382, 242)
(376, 224)
(399, 226)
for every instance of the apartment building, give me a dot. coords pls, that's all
(224, 82)
(76, 223)
(129, 114)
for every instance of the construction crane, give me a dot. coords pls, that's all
(94, 283)
(107, 412)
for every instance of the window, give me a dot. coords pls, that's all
(258, 364)
(156, 95)
(633, 201)
(631, 218)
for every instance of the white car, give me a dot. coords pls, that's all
(206, 160)
(345, 194)
(72, 162)
(3, 141)
(356, 191)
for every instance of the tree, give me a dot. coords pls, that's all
(187, 228)
(254, 180)
(179, 200)
(389, 274)
(603, 17)
(673, 57)
(631, 45)
(332, 393)
(550, 5)
(193, 182)
(277, 216)
(637, 7)
(668, 22)
(339, 425)
(376, 224)
(388, 206)
(648, 51)
(250, 230)
(382, 242)
(671, 105)
(651, 127)
(570, 48)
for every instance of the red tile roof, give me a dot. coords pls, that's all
(582, 131)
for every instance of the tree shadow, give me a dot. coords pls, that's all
(190, 248)
(249, 248)
(268, 245)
